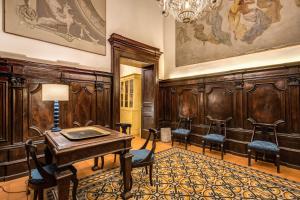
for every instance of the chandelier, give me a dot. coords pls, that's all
(187, 10)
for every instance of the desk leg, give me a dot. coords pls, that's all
(126, 170)
(63, 179)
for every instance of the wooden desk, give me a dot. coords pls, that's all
(66, 152)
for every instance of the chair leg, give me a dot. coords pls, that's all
(150, 174)
(96, 162)
(115, 158)
(75, 186)
(203, 145)
(172, 140)
(186, 143)
(35, 195)
(102, 162)
(131, 182)
(146, 169)
(41, 194)
(278, 162)
(121, 164)
(249, 157)
(256, 156)
(222, 151)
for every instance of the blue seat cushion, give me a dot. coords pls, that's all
(139, 155)
(263, 146)
(37, 178)
(182, 131)
(214, 138)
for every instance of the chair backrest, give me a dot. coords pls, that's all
(185, 123)
(265, 128)
(154, 134)
(123, 127)
(218, 126)
(31, 153)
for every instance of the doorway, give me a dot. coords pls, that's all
(129, 52)
(133, 99)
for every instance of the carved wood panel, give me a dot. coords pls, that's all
(3, 110)
(104, 104)
(219, 102)
(40, 113)
(265, 101)
(83, 103)
(188, 102)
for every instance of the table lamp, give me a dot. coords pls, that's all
(56, 93)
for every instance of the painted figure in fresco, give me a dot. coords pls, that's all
(214, 21)
(220, 36)
(272, 9)
(261, 23)
(182, 35)
(199, 33)
(237, 9)
(256, 19)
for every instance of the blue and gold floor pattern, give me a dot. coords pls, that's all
(180, 174)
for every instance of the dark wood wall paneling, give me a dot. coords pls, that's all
(265, 95)
(23, 115)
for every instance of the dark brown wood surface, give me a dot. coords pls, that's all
(26, 116)
(66, 152)
(148, 101)
(87, 148)
(265, 95)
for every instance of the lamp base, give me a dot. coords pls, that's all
(56, 129)
(56, 117)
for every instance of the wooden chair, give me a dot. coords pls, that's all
(261, 145)
(218, 136)
(123, 127)
(183, 130)
(43, 176)
(144, 157)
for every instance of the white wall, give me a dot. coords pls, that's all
(127, 70)
(140, 20)
(285, 55)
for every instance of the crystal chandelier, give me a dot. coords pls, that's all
(187, 10)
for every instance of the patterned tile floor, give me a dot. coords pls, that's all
(180, 174)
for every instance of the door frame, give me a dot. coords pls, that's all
(122, 47)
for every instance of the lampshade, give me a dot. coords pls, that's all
(55, 92)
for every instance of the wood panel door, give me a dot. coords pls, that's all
(148, 100)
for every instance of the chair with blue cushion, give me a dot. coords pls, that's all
(43, 176)
(183, 130)
(261, 144)
(216, 134)
(144, 157)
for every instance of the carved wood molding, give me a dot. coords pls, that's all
(119, 41)
(294, 81)
(239, 84)
(17, 82)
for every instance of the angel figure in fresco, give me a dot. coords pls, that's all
(237, 9)
(261, 22)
